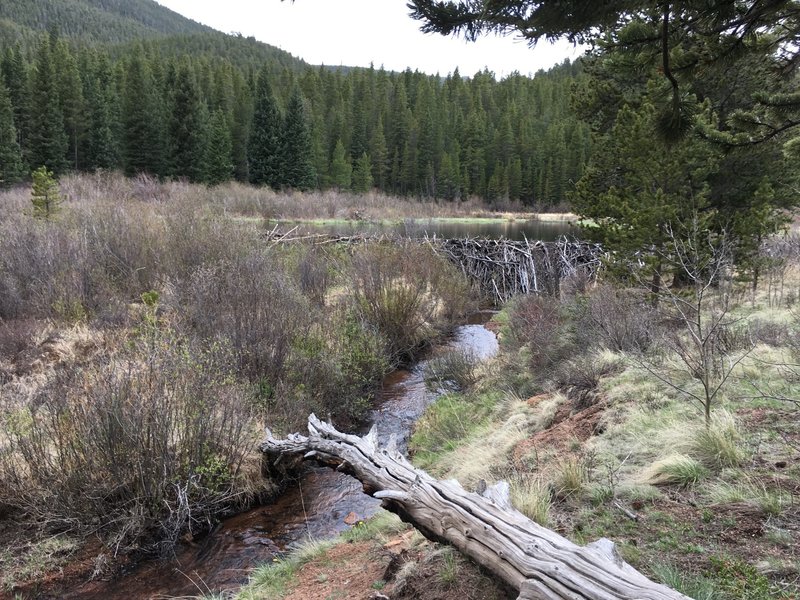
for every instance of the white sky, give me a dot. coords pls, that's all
(357, 32)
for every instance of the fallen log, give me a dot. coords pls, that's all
(537, 562)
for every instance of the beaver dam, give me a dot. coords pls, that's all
(503, 268)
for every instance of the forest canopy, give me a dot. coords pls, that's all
(694, 109)
(173, 99)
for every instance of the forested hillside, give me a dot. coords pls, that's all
(100, 20)
(187, 102)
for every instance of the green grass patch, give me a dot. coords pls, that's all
(677, 469)
(273, 581)
(379, 528)
(448, 421)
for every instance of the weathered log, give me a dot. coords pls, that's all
(537, 562)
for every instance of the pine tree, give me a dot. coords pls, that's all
(10, 155)
(16, 80)
(297, 168)
(341, 170)
(102, 148)
(264, 147)
(240, 130)
(48, 139)
(71, 100)
(219, 164)
(362, 174)
(515, 179)
(45, 195)
(143, 148)
(186, 128)
(379, 154)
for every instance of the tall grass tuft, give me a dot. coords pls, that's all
(677, 469)
(718, 445)
(531, 497)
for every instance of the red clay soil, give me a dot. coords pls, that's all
(368, 571)
(565, 430)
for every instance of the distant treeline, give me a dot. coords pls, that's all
(176, 109)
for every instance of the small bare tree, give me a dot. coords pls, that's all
(697, 309)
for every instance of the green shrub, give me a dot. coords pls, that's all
(407, 293)
(455, 370)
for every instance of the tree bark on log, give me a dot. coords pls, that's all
(537, 562)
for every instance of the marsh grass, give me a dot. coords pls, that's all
(379, 528)
(748, 491)
(694, 586)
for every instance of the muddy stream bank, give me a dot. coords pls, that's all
(320, 504)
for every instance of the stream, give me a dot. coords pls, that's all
(316, 506)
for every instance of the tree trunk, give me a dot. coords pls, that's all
(537, 562)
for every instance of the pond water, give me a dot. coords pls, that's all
(546, 231)
(315, 506)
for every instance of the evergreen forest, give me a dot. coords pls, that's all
(162, 95)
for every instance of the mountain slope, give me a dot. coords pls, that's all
(110, 21)
(121, 23)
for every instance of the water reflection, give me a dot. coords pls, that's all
(514, 230)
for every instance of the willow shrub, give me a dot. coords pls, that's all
(144, 443)
(408, 293)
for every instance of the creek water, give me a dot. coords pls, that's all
(546, 231)
(313, 507)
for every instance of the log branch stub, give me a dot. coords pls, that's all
(537, 562)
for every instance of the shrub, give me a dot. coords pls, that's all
(145, 443)
(334, 369)
(580, 377)
(408, 293)
(618, 319)
(535, 322)
(18, 335)
(251, 305)
(455, 370)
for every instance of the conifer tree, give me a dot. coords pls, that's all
(362, 174)
(102, 148)
(48, 139)
(10, 155)
(341, 171)
(219, 165)
(297, 168)
(264, 155)
(379, 154)
(71, 100)
(16, 80)
(240, 129)
(186, 128)
(142, 133)
(45, 195)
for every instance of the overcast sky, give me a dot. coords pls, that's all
(357, 32)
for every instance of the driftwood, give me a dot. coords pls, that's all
(537, 562)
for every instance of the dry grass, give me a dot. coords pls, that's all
(531, 496)
(677, 469)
